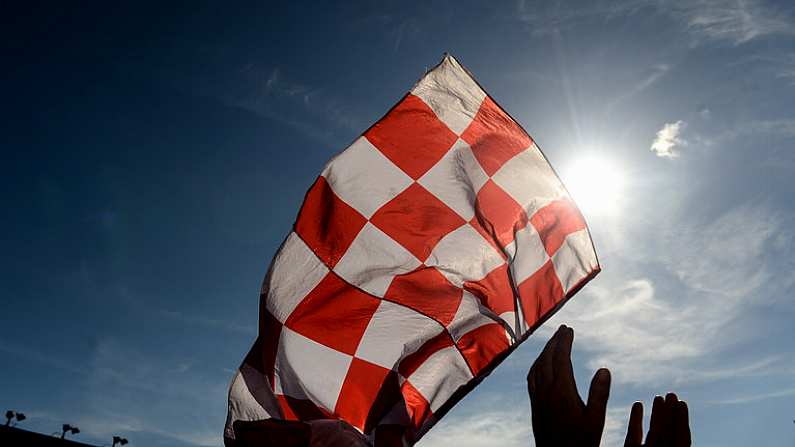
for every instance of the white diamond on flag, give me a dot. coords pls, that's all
(421, 257)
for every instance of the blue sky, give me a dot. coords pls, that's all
(153, 159)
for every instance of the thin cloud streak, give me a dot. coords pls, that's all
(133, 394)
(137, 304)
(649, 337)
(755, 397)
(495, 426)
(657, 72)
(654, 74)
(104, 426)
(31, 354)
(491, 427)
(130, 391)
(271, 92)
(732, 21)
(786, 69)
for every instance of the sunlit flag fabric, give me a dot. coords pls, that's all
(421, 257)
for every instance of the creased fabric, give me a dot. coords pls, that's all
(422, 255)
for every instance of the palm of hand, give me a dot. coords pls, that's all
(560, 417)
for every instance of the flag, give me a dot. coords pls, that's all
(421, 257)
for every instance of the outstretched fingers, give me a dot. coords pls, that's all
(669, 425)
(541, 374)
(681, 425)
(549, 356)
(596, 409)
(658, 423)
(635, 429)
(563, 369)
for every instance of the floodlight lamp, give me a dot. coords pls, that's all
(75, 430)
(21, 417)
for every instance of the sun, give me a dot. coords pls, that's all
(596, 184)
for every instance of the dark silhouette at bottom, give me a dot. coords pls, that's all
(560, 418)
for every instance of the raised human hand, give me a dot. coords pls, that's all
(560, 417)
(669, 425)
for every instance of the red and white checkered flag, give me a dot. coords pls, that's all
(421, 257)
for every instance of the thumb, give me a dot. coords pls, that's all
(596, 408)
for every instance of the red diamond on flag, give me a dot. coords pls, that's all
(494, 137)
(428, 292)
(417, 220)
(424, 254)
(412, 136)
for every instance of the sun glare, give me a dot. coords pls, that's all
(596, 184)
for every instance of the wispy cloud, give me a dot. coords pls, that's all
(147, 398)
(247, 329)
(656, 72)
(672, 330)
(779, 127)
(276, 84)
(619, 324)
(786, 392)
(131, 391)
(736, 21)
(668, 142)
(402, 29)
(772, 63)
(783, 127)
(728, 256)
(648, 79)
(46, 359)
(507, 423)
(103, 426)
(275, 93)
(615, 426)
(546, 18)
(489, 427)
(135, 303)
(786, 68)
(733, 21)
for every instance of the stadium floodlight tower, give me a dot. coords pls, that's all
(14, 415)
(70, 429)
(119, 440)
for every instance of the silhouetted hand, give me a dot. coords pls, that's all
(669, 425)
(560, 418)
(275, 432)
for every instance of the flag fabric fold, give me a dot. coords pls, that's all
(421, 257)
